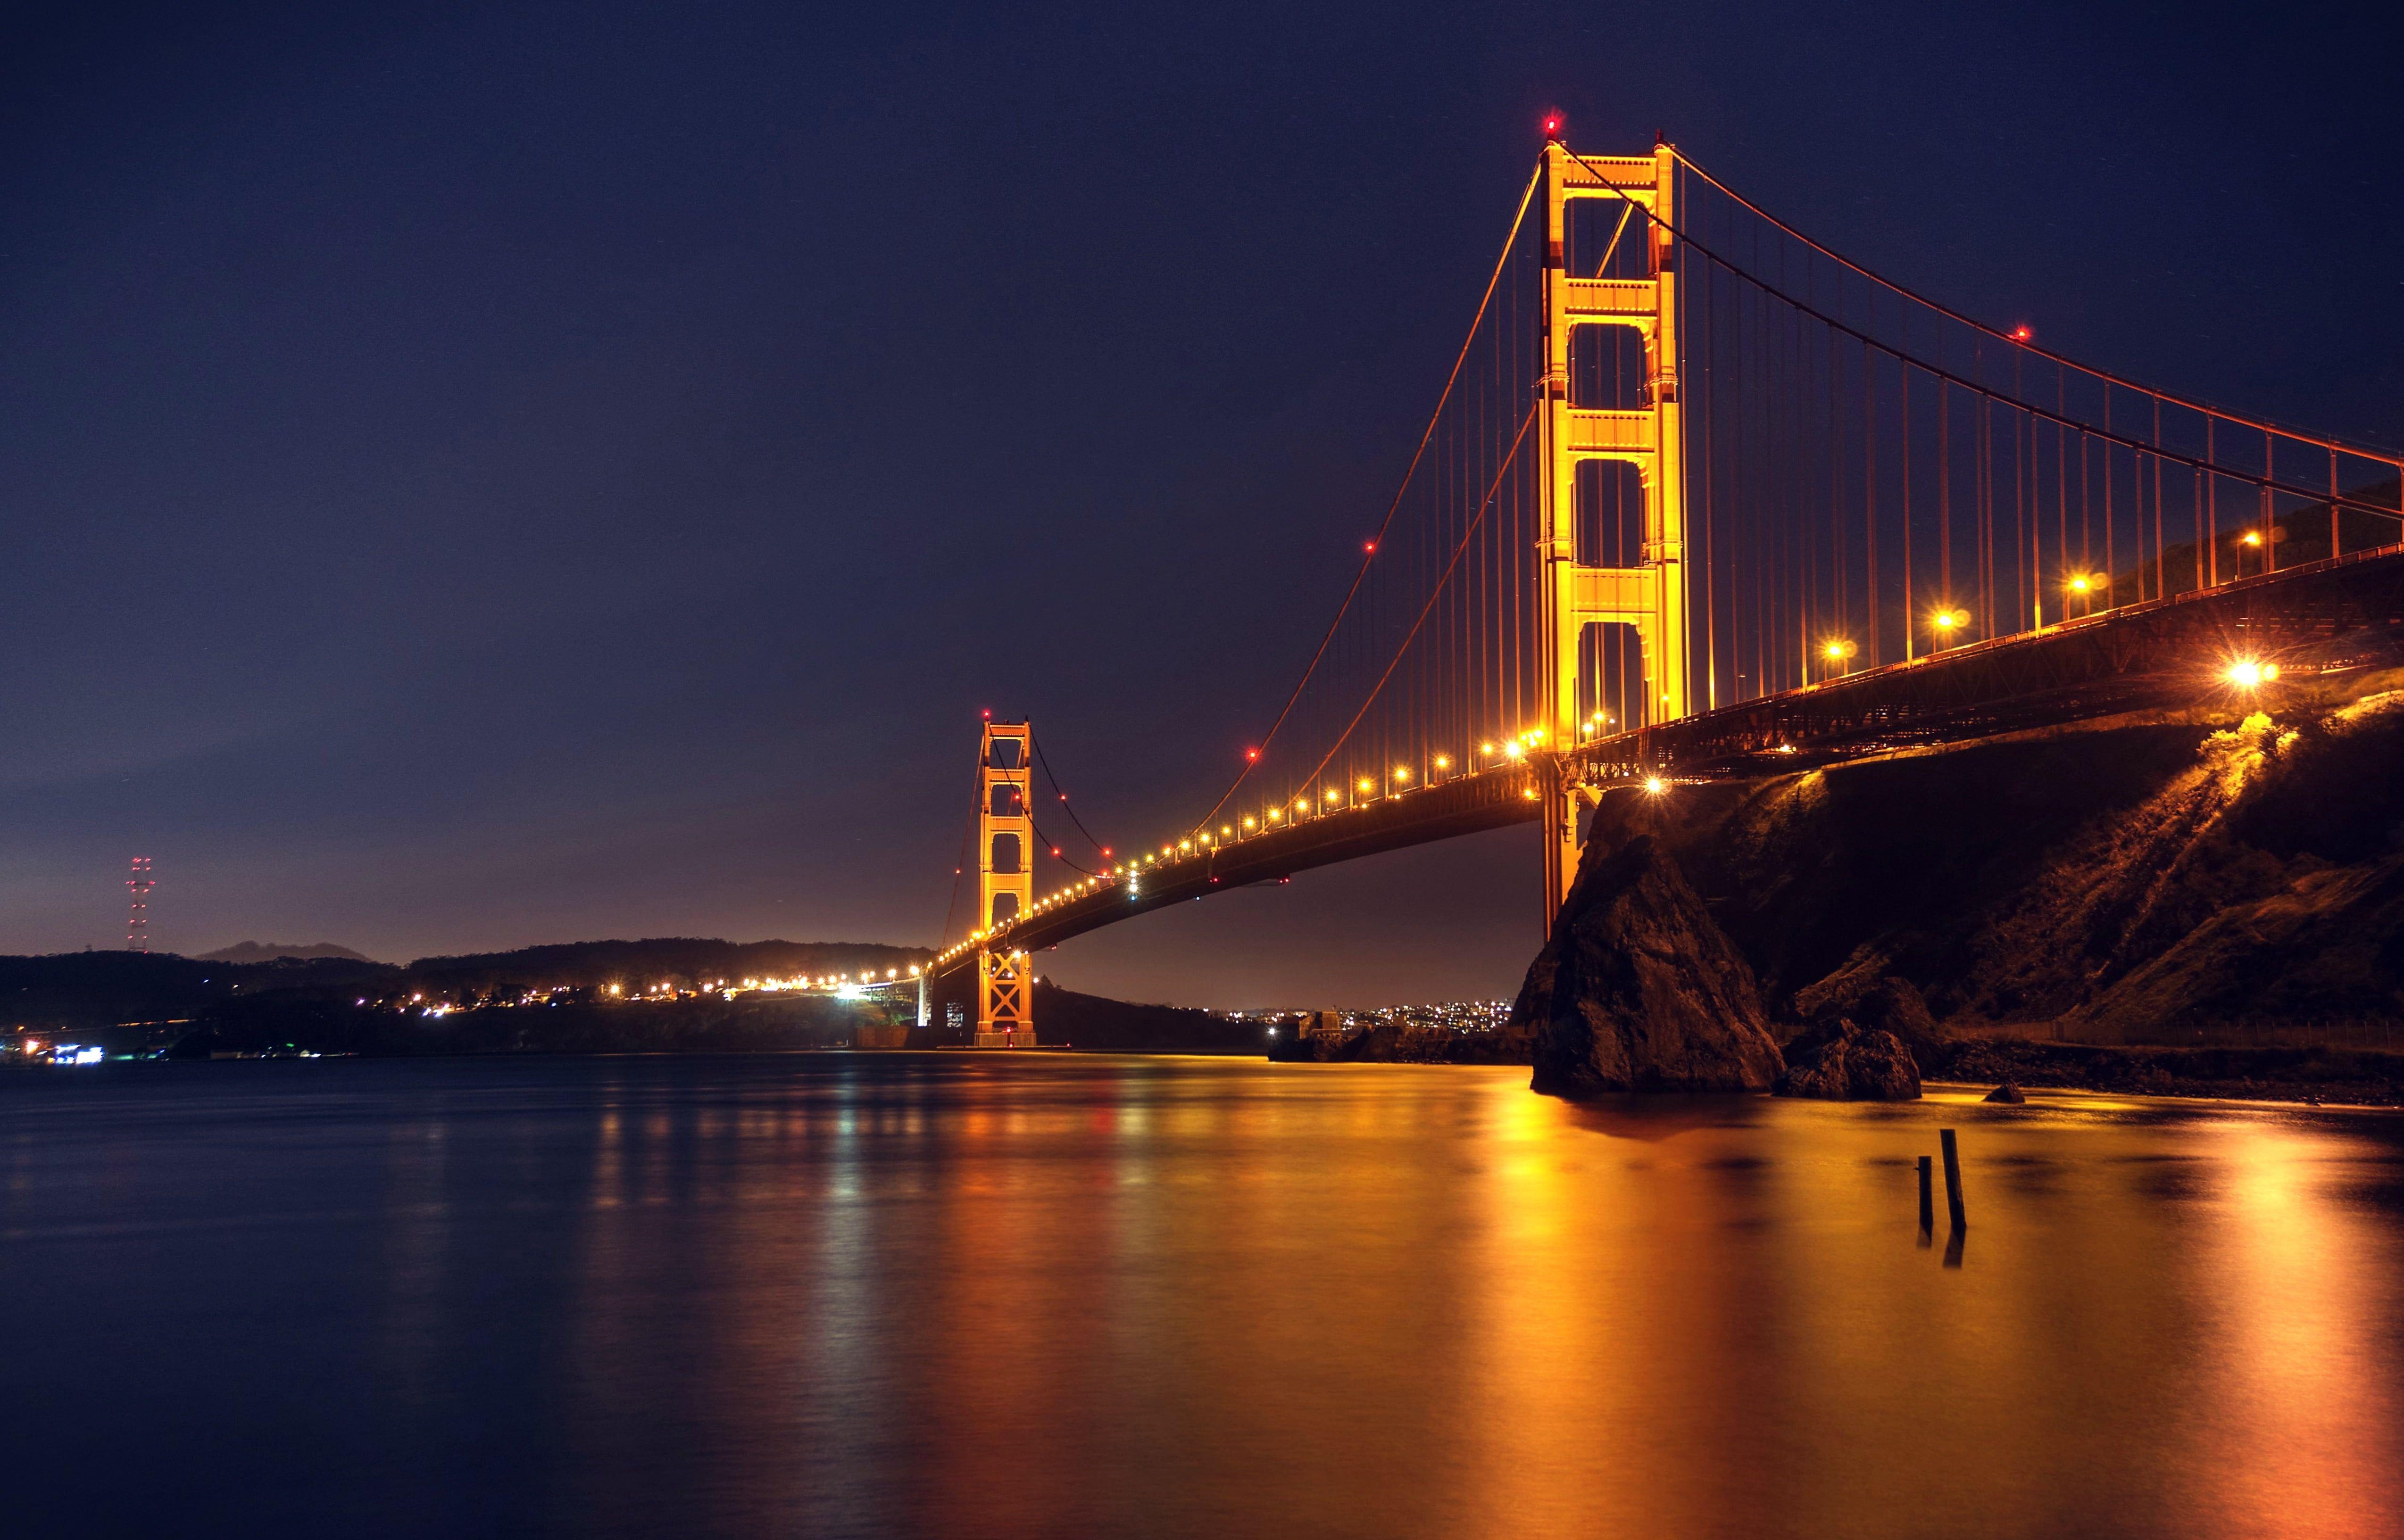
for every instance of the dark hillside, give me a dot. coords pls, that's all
(681, 961)
(94, 989)
(2125, 880)
(554, 999)
(1066, 1019)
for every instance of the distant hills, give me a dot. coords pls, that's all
(78, 990)
(274, 952)
(683, 961)
(260, 997)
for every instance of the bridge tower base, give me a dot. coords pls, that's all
(1005, 1000)
(1005, 1016)
(1649, 597)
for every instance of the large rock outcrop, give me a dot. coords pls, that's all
(1841, 1061)
(1639, 989)
(2202, 873)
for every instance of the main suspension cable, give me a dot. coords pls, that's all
(2384, 455)
(1487, 502)
(1502, 263)
(1062, 792)
(968, 842)
(1991, 396)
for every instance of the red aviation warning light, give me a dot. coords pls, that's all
(1252, 756)
(1552, 126)
(2021, 333)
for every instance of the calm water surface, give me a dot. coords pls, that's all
(939, 1294)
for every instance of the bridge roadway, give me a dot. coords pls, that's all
(2322, 618)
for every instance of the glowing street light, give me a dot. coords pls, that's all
(2245, 674)
(2083, 587)
(1655, 786)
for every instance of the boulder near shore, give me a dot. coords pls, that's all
(1844, 1062)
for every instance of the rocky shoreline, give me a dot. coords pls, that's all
(2352, 1076)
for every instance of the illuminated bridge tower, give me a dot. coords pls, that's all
(1005, 884)
(1651, 596)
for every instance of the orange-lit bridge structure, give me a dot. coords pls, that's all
(1700, 497)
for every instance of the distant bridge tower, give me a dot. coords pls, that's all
(1005, 884)
(1651, 596)
(138, 910)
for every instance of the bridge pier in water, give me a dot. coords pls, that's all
(1005, 1017)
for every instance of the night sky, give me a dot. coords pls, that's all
(486, 476)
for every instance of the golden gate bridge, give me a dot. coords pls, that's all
(1702, 497)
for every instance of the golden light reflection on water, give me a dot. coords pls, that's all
(1096, 1296)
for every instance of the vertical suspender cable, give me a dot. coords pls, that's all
(1944, 496)
(2211, 508)
(2270, 530)
(1870, 501)
(1911, 620)
(1711, 568)
(2162, 558)
(2060, 485)
(2110, 561)
(2333, 530)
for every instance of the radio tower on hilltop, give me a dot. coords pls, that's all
(137, 913)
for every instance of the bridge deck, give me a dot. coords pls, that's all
(2343, 612)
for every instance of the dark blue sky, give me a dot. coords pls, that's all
(481, 476)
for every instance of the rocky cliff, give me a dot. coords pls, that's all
(2127, 880)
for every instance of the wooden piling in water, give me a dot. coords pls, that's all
(1952, 1178)
(1927, 1198)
